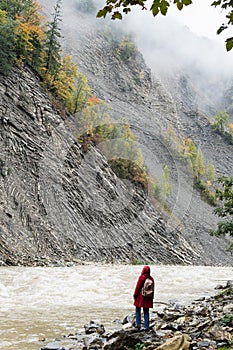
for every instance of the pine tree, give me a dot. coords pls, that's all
(189, 149)
(52, 44)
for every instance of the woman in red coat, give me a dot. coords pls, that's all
(143, 302)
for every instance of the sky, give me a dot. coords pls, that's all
(202, 19)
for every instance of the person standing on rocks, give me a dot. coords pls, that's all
(143, 296)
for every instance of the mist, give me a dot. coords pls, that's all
(168, 46)
(165, 41)
(171, 49)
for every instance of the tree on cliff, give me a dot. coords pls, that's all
(30, 34)
(52, 44)
(161, 6)
(221, 121)
(22, 33)
(7, 43)
(225, 208)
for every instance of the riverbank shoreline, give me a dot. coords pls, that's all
(47, 262)
(206, 324)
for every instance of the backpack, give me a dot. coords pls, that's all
(148, 288)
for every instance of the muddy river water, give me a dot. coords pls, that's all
(38, 302)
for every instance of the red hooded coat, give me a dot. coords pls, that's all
(139, 300)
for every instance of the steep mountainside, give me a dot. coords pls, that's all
(151, 105)
(59, 204)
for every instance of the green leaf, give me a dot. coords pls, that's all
(179, 5)
(230, 17)
(102, 13)
(154, 8)
(126, 10)
(220, 29)
(216, 3)
(187, 2)
(117, 15)
(164, 7)
(229, 44)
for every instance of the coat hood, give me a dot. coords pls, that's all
(146, 271)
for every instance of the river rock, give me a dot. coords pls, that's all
(127, 326)
(96, 343)
(204, 344)
(228, 309)
(53, 346)
(219, 334)
(128, 339)
(94, 327)
(129, 319)
(179, 342)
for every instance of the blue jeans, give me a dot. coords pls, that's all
(146, 317)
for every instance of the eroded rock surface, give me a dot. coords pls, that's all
(60, 204)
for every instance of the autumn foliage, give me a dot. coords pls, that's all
(25, 44)
(26, 39)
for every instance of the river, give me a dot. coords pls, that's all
(49, 302)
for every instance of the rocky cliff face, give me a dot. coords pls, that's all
(59, 204)
(152, 103)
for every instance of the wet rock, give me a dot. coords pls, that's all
(170, 326)
(202, 311)
(94, 327)
(171, 315)
(41, 339)
(222, 344)
(204, 324)
(96, 343)
(204, 344)
(129, 319)
(127, 326)
(124, 339)
(53, 346)
(182, 320)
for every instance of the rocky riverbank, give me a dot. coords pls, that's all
(205, 324)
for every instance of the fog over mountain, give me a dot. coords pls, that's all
(170, 48)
